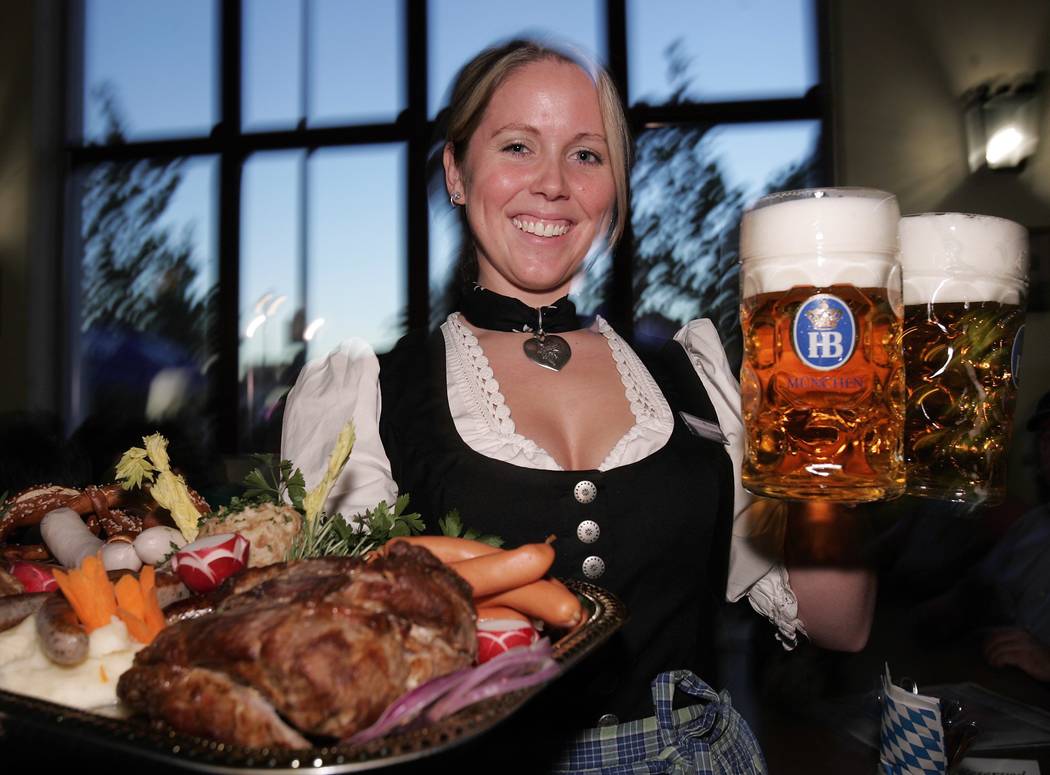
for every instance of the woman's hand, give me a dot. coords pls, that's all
(823, 551)
(1017, 647)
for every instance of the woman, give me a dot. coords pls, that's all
(631, 459)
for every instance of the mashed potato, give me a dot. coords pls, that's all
(25, 669)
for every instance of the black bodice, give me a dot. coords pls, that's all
(664, 522)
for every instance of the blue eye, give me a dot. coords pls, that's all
(588, 157)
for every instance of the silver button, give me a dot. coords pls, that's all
(588, 531)
(608, 720)
(585, 491)
(593, 567)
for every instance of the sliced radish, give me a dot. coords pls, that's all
(34, 576)
(496, 636)
(207, 562)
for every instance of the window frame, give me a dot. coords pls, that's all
(232, 145)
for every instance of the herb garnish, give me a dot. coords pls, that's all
(452, 525)
(333, 535)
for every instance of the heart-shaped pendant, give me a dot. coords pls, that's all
(549, 351)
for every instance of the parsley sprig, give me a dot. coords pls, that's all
(272, 479)
(334, 535)
(452, 525)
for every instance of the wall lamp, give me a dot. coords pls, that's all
(1002, 122)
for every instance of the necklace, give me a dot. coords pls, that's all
(486, 309)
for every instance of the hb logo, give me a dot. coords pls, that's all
(824, 332)
(825, 344)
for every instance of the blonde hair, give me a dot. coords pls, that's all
(477, 83)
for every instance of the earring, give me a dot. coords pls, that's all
(455, 198)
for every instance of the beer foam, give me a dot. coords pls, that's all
(958, 257)
(819, 237)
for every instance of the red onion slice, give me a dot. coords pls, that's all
(517, 663)
(408, 708)
(515, 669)
(503, 684)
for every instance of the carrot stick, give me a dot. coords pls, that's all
(154, 615)
(136, 627)
(66, 585)
(95, 600)
(100, 585)
(147, 579)
(129, 596)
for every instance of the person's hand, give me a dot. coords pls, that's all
(1017, 647)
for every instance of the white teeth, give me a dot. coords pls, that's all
(540, 229)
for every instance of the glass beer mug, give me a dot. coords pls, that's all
(822, 382)
(965, 280)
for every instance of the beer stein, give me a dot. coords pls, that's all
(822, 382)
(965, 280)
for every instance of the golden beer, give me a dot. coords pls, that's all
(961, 393)
(965, 280)
(812, 432)
(822, 381)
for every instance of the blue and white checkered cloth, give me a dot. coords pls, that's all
(912, 738)
(709, 738)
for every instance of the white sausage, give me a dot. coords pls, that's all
(67, 537)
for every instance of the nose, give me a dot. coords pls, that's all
(551, 181)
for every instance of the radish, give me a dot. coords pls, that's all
(495, 636)
(34, 576)
(207, 562)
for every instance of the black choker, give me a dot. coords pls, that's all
(486, 309)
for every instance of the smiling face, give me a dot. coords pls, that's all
(536, 181)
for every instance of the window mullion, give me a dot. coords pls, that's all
(227, 390)
(417, 239)
(620, 287)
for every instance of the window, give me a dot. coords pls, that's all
(248, 179)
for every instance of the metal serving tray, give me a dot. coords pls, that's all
(140, 738)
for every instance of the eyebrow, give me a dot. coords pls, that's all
(535, 131)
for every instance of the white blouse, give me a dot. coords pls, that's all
(345, 385)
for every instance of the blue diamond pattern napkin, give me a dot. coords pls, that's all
(912, 738)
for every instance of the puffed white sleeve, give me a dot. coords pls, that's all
(756, 566)
(344, 385)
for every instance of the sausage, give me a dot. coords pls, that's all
(62, 638)
(68, 537)
(501, 613)
(490, 574)
(449, 549)
(169, 589)
(552, 602)
(14, 609)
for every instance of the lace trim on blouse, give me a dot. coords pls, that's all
(484, 420)
(773, 597)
